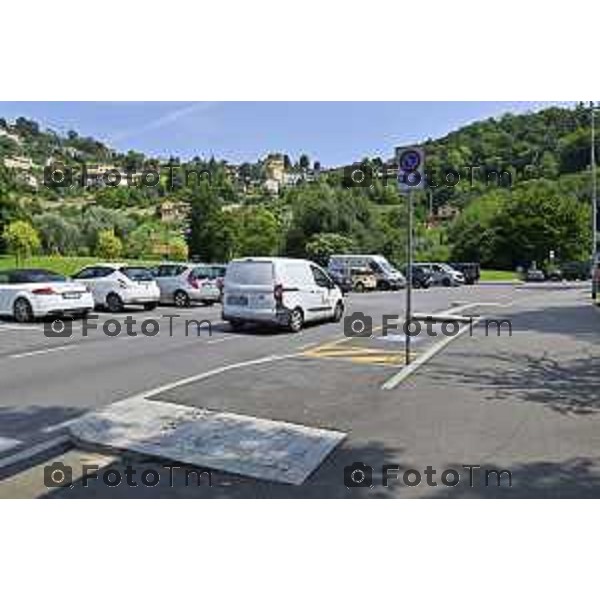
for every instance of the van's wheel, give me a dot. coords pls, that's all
(181, 299)
(114, 303)
(296, 320)
(22, 311)
(236, 325)
(360, 287)
(446, 282)
(338, 313)
(150, 305)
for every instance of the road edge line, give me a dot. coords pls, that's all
(406, 372)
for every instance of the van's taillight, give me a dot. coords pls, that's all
(193, 281)
(47, 291)
(278, 293)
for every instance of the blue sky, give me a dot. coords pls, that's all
(332, 132)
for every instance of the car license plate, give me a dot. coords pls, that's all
(72, 296)
(237, 300)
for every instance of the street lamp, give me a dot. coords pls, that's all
(594, 206)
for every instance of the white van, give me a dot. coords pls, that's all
(287, 292)
(387, 276)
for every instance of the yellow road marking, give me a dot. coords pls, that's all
(30, 483)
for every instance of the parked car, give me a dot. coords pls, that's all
(576, 270)
(443, 274)
(534, 274)
(184, 283)
(363, 280)
(387, 276)
(344, 282)
(27, 294)
(553, 274)
(421, 277)
(471, 271)
(115, 285)
(286, 292)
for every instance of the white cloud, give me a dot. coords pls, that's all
(166, 119)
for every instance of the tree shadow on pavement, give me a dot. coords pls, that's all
(27, 421)
(327, 481)
(573, 478)
(579, 321)
(571, 386)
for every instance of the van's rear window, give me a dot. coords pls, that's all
(250, 273)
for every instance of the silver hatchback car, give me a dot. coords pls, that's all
(184, 283)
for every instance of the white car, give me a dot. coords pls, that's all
(27, 294)
(184, 283)
(443, 274)
(116, 285)
(286, 292)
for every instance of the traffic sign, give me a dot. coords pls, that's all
(411, 162)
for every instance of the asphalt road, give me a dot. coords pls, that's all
(526, 403)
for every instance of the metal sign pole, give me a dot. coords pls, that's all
(594, 208)
(409, 269)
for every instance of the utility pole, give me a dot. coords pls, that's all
(594, 207)
(409, 270)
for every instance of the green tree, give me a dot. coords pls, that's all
(304, 162)
(57, 234)
(259, 233)
(21, 239)
(178, 249)
(322, 245)
(109, 246)
(211, 235)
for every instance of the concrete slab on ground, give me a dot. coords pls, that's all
(261, 448)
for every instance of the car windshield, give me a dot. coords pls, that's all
(250, 273)
(36, 276)
(384, 264)
(137, 273)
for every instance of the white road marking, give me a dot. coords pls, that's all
(34, 450)
(218, 371)
(8, 443)
(406, 371)
(421, 359)
(40, 352)
(59, 426)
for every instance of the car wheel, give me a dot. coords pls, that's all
(338, 313)
(236, 325)
(296, 320)
(150, 305)
(384, 286)
(181, 299)
(360, 287)
(446, 282)
(114, 303)
(22, 311)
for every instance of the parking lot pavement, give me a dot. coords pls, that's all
(453, 411)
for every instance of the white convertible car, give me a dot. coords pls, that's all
(27, 294)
